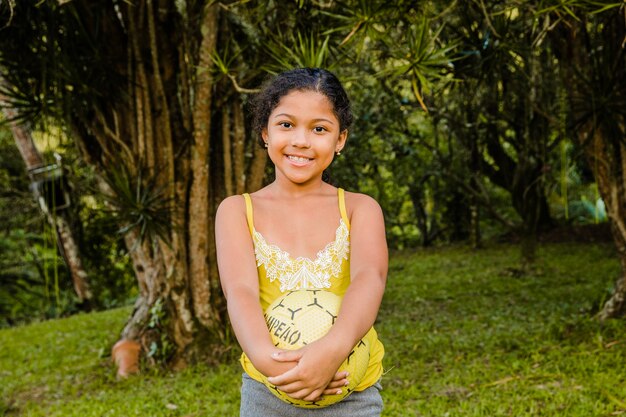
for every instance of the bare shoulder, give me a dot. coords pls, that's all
(232, 206)
(358, 204)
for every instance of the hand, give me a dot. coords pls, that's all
(314, 375)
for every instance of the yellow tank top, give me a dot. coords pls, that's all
(278, 272)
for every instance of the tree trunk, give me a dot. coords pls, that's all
(72, 257)
(523, 178)
(171, 126)
(239, 147)
(416, 193)
(530, 203)
(176, 317)
(199, 203)
(474, 207)
(475, 235)
(608, 160)
(256, 171)
(512, 162)
(593, 67)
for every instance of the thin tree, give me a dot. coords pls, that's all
(59, 219)
(591, 47)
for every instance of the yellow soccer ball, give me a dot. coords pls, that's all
(303, 316)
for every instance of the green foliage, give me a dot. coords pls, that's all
(569, 7)
(299, 51)
(574, 196)
(34, 279)
(471, 65)
(485, 71)
(104, 252)
(105, 255)
(160, 348)
(463, 336)
(35, 282)
(40, 79)
(421, 59)
(491, 82)
(139, 203)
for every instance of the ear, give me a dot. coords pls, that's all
(341, 142)
(264, 135)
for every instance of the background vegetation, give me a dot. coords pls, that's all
(464, 132)
(35, 280)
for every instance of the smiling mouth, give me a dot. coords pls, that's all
(300, 159)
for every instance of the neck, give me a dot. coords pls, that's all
(284, 188)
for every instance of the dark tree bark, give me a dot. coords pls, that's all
(593, 65)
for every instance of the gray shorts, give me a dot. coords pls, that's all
(258, 401)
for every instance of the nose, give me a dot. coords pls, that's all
(300, 138)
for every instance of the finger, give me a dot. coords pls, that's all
(299, 394)
(337, 384)
(341, 375)
(333, 391)
(314, 396)
(293, 388)
(283, 379)
(287, 355)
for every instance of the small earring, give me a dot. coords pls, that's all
(338, 153)
(265, 144)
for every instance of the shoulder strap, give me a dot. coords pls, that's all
(249, 216)
(342, 206)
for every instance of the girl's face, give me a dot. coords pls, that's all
(303, 135)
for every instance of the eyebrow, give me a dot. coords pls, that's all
(314, 120)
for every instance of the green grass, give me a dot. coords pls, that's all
(465, 336)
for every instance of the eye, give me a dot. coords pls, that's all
(319, 129)
(286, 125)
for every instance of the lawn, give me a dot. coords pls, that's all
(465, 333)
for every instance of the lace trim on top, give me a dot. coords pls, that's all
(303, 272)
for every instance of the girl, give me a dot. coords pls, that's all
(277, 239)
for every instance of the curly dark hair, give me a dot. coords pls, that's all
(300, 79)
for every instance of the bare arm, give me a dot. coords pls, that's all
(238, 276)
(368, 274)
(318, 361)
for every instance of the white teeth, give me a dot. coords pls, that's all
(298, 158)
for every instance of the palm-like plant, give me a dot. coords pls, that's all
(421, 59)
(139, 202)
